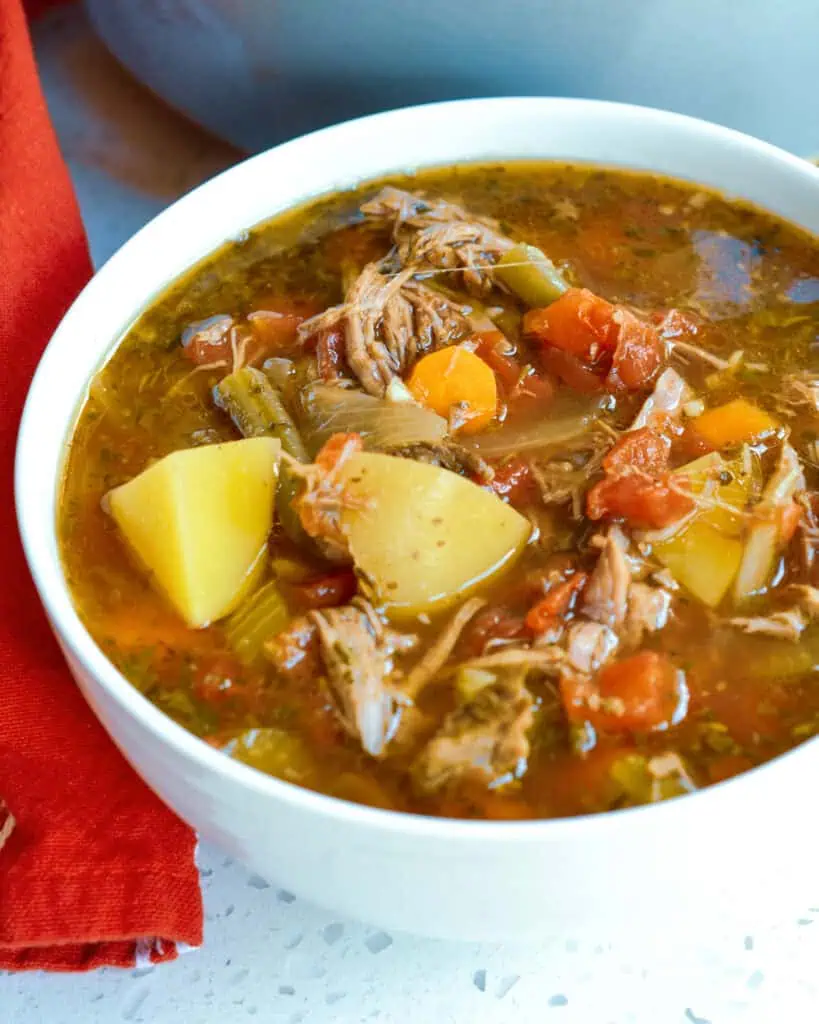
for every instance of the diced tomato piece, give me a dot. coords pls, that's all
(275, 327)
(513, 480)
(638, 694)
(637, 356)
(571, 371)
(326, 591)
(490, 624)
(555, 604)
(336, 448)
(491, 348)
(218, 680)
(642, 449)
(579, 323)
(330, 354)
(642, 502)
(533, 391)
(209, 341)
(607, 341)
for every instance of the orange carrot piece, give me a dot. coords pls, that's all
(735, 422)
(456, 383)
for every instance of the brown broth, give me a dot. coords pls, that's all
(635, 238)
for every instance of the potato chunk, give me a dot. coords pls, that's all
(426, 537)
(705, 555)
(198, 521)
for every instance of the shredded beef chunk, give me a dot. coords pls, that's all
(358, 650)
(446, 455)
(589, 645)
(788, 624)
(437, 233)
(389, 319)
(799, 394)
(605, 599)
(647, 611)
(484, 739)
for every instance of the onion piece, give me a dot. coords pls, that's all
(542, 434)
(764, 540)
(382, 423)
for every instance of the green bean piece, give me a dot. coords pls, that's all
(257, 409)
(255, 405)
(531, 275)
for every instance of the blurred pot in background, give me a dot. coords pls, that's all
(259, 71)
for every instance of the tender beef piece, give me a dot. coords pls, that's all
(565, 480)
(799, 394)
(647, 612)
(446, 455)
(605, 599)
(785, 625)
(589, 645)
(438, 233)
(627, 609)
(437, 654)
(483, 740)
(788, 624)
(357, 651)
(389, 320)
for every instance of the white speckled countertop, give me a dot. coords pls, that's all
(268, 957)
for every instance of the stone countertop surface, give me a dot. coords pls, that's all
(269, 957)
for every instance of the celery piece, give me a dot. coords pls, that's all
(531, 275)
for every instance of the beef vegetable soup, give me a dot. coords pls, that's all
(486, 492)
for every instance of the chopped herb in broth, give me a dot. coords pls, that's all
(495, 494)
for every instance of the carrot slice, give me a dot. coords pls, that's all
(456, 383)
(735, 422)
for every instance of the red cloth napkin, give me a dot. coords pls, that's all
(97, 870)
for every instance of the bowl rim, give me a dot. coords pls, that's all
(54, 594)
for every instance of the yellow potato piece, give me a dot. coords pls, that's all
(426, 537)
(198, 522)
(705, 556)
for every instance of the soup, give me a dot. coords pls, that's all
(485, 492)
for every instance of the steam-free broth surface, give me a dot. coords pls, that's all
(497, 583)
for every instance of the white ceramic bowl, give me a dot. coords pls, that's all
(747, 848)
